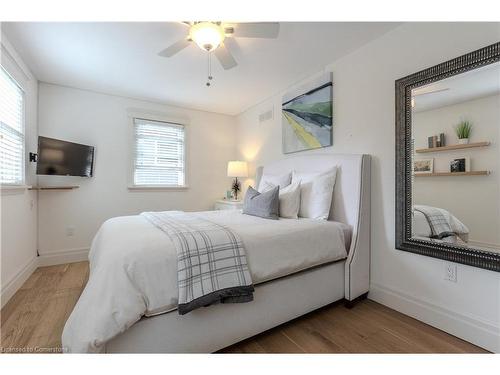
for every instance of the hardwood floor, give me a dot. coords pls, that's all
(35, 317)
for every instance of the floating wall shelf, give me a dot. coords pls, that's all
(454, 174)
(452, 147)
(53, 187)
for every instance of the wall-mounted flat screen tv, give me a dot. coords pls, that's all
(62, 158)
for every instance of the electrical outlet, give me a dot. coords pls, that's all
(450, 272)
(70, 231)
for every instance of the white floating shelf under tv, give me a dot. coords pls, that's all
(54, 187)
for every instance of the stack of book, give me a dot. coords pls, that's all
(436, 141)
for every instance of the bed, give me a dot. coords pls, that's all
(422, 224)
(297, 266)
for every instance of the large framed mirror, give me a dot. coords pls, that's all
(448, 160)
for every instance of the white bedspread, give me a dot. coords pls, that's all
(421, 227)
(133, 268)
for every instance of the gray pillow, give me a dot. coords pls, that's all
(264, 205)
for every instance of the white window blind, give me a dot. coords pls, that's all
(159, 153)
(11, 131)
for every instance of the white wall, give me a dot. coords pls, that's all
(475, 200)
(364, 122)
(18, 219)
(101, 120)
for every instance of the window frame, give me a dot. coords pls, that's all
(22, 183)
(157, 117)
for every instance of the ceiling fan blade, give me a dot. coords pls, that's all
(225, 58)
(174, 48)
(256, 30)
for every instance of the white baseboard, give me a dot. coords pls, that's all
(9, 289)
(65, 256)
(472, 329)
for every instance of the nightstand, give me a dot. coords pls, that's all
(226, 204)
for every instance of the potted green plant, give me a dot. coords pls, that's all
(463, 130)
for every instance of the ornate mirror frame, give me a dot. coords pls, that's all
(460, 254)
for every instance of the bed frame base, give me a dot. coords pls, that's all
(210, 329)
(351, 304)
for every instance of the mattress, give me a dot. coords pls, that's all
(133, 268)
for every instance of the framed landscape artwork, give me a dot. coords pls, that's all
(307, 116)
(423, 166)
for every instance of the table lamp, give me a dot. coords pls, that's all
(237, 169)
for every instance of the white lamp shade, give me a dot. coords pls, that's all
(237, 169)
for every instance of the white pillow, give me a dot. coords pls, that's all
(289, 198)
(316, 193)
(277, 180)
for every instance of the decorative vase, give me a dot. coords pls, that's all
(463, 141)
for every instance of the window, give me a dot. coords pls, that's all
(11, 131)
(159, 153)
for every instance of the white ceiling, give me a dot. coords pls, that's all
(467, 86)
(121, 59)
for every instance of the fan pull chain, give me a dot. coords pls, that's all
(209, 68)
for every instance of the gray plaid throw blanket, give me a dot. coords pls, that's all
(440, 225)
(211, 261)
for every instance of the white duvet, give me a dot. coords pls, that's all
(421, 227)
(133, 268)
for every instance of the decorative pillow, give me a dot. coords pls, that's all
(264, 205)
(277, 180)
(316, 193)
(289, 199)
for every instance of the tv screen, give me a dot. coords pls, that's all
(56, 157)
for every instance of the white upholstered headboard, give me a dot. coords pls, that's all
(350, 205)
(347, 191)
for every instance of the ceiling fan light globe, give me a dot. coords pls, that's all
(207, 35)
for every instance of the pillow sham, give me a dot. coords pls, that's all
(316, 193)
(277, 180)
(289, 199)
(265, 205)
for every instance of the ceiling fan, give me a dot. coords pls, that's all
(210, 36)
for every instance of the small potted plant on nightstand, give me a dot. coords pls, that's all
(463, 130)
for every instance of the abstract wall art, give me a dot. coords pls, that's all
(307, 116)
